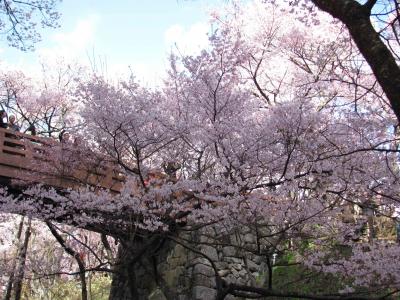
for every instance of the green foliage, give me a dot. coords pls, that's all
(291, 276)
(70, 289)
(297, 278)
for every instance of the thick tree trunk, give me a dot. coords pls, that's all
(124, 286)
(383, 64)
(135, 272)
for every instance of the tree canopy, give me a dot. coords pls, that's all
(20, 20)
(277, 143)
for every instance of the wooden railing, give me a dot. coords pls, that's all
(27, 158)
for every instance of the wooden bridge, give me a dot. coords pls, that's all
(27, 159)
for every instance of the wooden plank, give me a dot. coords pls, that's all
(14, 150)
(14, 160)
(11, 172)
(19, 163)
(37, 139)
(14, 141)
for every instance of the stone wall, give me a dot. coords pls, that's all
(190, 274)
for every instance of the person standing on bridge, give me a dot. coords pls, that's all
(12, 125)
(3, 115)
(32, 129)
(64, 137)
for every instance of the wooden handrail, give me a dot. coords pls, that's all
(19, 152)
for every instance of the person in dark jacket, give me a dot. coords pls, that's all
(3, 115)
(32, 129)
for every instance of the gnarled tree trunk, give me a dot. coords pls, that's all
(136, 272)
(124, 285)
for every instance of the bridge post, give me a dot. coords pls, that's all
(28, 149)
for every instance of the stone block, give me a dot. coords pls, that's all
(223, 273)
(205, 238)
(230, 278)
(171, 276)
(222, 265)
(200, 279)
(253, 267)
(203, 269)
(234, 260)
(200, 260)
(237, 266)
(211, 252)
(229, 251)
(249, 238)
(203, 293)
(235, 273)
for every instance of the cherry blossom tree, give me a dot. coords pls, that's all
(373, 26)
(20, 19)
(270, 135)
(45, 103)
(49, 262)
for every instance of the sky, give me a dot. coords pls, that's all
(118, 36)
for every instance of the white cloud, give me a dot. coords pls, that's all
(71, 45)
(149, 74)
(187, 40)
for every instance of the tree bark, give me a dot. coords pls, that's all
(123, 286)
(107, 247)
(75, 255)
(21, 262)
(135, 273)
(356, 17)
(10, 282)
